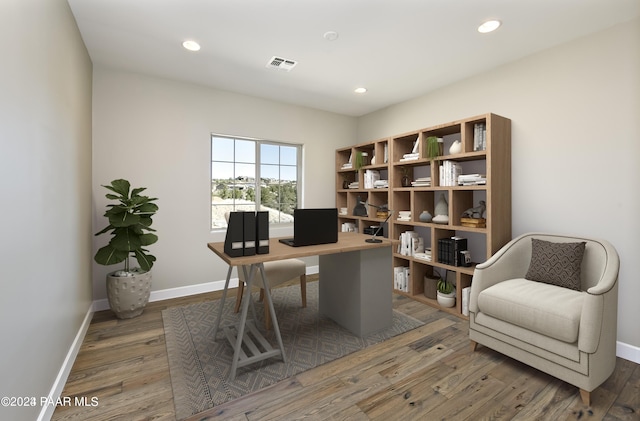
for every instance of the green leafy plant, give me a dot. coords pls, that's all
(130, 225)
(444, 286)
(433, 148)
(359, 160)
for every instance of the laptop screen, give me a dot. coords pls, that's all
(315, 226)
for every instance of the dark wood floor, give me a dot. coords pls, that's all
(425, 374)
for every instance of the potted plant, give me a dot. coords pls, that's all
(434, 147)
(446, 293)
(130, 226)
(431, 284)
(361, 159)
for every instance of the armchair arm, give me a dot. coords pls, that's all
(610, 273)
(599, 311)
(511, 261)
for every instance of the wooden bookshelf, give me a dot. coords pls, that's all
(493, 160)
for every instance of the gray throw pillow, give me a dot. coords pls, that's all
(556, 263)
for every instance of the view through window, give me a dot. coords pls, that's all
(250, 174)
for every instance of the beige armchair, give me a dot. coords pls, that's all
(567, 333)
(276, 272)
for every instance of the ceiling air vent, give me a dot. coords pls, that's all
(281, 63)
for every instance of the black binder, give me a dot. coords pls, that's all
(234, 240)
(249, 233)
(262, 231)
(459, 245)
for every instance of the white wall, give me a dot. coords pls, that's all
(45, 194)
(575, 137)
(156, 133)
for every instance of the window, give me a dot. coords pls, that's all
(250, 174)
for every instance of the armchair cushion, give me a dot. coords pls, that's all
(556, 263)
(546, 309)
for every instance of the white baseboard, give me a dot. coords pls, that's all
(166, 294)
(61, 379)
(628, 352)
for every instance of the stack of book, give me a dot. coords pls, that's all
(410, 243)
(349, 227)
(479, 137)
(421, 182)
(472, 179)
(381, 184)
(354, 185)
(410, 156)
(401, 278)
(449, 173)
(347, 166)
(370, 177)
(426, 255)
(473, 222)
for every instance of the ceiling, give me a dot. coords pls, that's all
(397, 49)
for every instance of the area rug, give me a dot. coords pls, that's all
(200, 367)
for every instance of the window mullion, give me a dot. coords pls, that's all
(258, 176)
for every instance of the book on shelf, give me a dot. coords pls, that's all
(381, 184)
(466, 295)
(449, 250)
(401, 278)
(479, 137)
(370, 177)
(472, 179)
(449, 173)
(354, 185)
(349, 227)
(410, 241)
(425, 255)
(421, 182)
(473, 222)
(410, 156)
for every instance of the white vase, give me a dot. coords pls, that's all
(456, 147)
(128, 295)
(442, 207)
(447, 300)
(425, 216)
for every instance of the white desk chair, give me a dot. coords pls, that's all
(276, 273)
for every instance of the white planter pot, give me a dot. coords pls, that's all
(447, 300)
(128, 295)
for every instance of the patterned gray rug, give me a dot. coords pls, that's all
(200, 367)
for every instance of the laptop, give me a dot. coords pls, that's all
(313, 226)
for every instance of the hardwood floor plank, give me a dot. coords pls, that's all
(427, 373)
(627, 405)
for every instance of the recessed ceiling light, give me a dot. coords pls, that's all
(489, 26)
(360, 90)
(191, 45)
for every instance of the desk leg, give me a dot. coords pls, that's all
(274, 320)
(246, 276)
(243, 320)
(224, 296)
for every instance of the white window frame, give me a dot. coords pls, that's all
(258, 162)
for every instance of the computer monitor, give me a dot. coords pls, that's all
(313, 226)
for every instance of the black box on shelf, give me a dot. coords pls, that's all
(445, 251)
(450, 251)
(459, 245)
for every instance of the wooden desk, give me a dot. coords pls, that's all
(355, 290)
